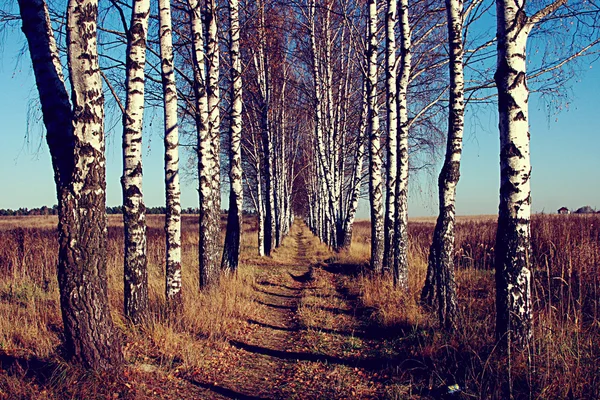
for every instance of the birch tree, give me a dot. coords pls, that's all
(233, 234)
(335, 57)
(75, 137)
(260, 60)
(392, 131)
(214, 120)
(441, 253)
(356, 179)
(375, 161)
(172, 189)
(513, 247)
(134, 211)
(206, 116)
(400, 273)
(252, 174)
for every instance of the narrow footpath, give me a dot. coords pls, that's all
(304, 338)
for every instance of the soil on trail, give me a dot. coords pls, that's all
(304, 339)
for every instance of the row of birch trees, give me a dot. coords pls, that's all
(382, 75)
(304, 105)
(183, 69)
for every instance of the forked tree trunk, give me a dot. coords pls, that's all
(441, 253)
(392, 132)
(400, 272)
(172, 189)
(135, 278)
(76, 142)
(375, 162)
(231, 251)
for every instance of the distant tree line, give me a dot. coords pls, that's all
(44, 210)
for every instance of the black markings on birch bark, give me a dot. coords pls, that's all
(400, 272)
(173, 292)
(210, 267)
(231, 250)
(440, 269)
(374, 134)
(206, 125)
(338, 141)
(513, 274)
(75, 137)
(392, 132)
(135, 277)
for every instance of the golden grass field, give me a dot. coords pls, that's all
(199, 355)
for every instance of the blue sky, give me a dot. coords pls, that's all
(565, 152)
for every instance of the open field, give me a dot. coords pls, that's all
(309, 323)
(114, 220)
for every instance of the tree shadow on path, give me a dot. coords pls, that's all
(223, 391)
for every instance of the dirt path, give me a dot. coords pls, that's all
(304, 339)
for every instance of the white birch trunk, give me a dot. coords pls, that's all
(354, 197)
(276, 183)
(208, 226)
(401, 221)
(261, 64)
(441, 253)
(356, 181)
(375, 164)
(260, 207)
(331, 138)
(513, 247)
(323, 133)
(172, 189)
(134, 211)
(231, 250)
(76, 142)
(341, 128)
(392, 131)
(214, 119)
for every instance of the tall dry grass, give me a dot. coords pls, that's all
(563, 361)
(29, 298)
